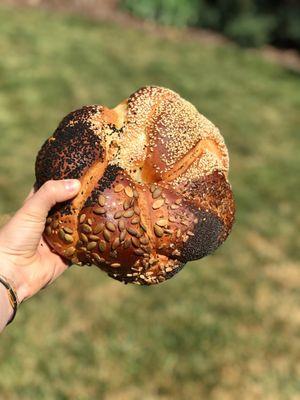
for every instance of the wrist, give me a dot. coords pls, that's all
(17, 277)
(6, 307)
(12, 297)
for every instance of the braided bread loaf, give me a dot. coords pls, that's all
(154, 189)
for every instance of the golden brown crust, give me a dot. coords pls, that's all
(154, 189)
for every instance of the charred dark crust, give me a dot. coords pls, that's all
(63, 209)
(206, 237)
(174, 271)
(213, 192)
(106, 181)
(72, 149)
(163, 276)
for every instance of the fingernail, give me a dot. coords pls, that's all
(72, 185)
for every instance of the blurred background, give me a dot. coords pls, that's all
(226, 327)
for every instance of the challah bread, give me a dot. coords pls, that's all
(154, 189)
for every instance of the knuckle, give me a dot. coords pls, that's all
(50, 187)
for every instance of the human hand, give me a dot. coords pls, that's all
(25, 258)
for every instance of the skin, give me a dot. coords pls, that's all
(25, 258)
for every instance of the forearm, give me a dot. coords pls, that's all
(5, 307)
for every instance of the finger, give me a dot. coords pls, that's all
(48, 195)
(30, 194)
(49, 258)
(23, 231)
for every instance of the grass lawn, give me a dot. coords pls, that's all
(226, 327)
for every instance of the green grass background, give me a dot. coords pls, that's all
(226, 327)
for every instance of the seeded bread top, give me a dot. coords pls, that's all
(154, 194)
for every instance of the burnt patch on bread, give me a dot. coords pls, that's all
(72, 149)
(175, 270)
(109, 177)
(63, 209)
(106, 181)
(205, 237)
(212, 192)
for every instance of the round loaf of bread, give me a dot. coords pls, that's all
(154, 189)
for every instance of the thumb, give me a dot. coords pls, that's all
(52, 192)
(23, 232)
